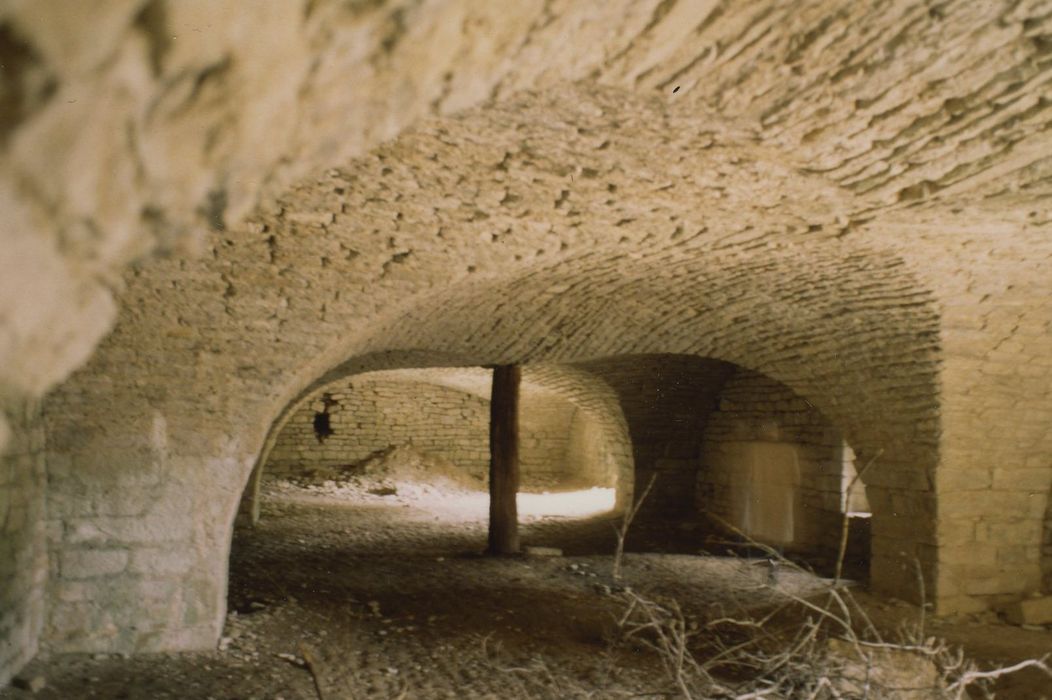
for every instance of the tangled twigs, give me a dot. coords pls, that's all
(819, 648)
(663, 628)
(972, 676)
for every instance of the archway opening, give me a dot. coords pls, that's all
(421, 435)
(378, 523)
(739, 462)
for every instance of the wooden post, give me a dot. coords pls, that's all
(504, 460)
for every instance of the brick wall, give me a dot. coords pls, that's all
(23, 557)
(367, 416)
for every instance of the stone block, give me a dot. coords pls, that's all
(964, 479)
(979, 503)
(161, 561)
(91, 563)
(1001, 583)
(1032, 611)
(959, 605)
(1023, 479)
(955, 533)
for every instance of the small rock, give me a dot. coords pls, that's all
(33, 685)
(292, 659)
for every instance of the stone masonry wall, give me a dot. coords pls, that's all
(757, 409)
(667, 400)
(23, 557)
(588, 453)
(368, 416)
(118, 529)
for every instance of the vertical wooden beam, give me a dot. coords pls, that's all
(504, 460)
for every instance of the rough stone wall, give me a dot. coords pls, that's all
(995, 472)
(756, 409)
(127, 523)
(848, 197)
(23, 555)
(367, 416)
(588, 454)
(666, 400)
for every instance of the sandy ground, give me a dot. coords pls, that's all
(389, 597)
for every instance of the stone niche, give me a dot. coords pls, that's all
(445, 415)
(774, 467)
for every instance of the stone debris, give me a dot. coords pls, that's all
(534, 551)
(292, 659)
(33, 684)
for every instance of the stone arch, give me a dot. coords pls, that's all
(768, 449)
(587, 393)
(865, 322)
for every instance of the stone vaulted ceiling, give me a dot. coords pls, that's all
(850, 197)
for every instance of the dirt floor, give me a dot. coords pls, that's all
(386, 595)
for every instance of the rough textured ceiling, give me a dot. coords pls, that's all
(178, 115)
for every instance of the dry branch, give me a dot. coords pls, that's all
(626, 522)
(835, 651)
(845, 523)
(315, 668)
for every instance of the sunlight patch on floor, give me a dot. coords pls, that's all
(576, 504)
(464, 506)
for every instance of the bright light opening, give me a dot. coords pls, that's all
(576, 504)
(453, 503)
(474, 506)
